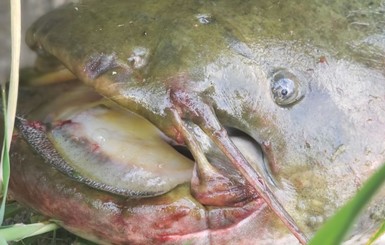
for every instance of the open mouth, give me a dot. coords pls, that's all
(108, 150)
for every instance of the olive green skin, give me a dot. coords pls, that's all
(212, 62)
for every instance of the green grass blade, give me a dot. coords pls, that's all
(20, 231)
(10, 107)
(5, 185)
(377, 234)
(3, 241)
(335, 229)
(5, 163)
(15, 64)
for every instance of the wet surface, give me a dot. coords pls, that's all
(304, 87)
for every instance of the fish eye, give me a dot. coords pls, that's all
(285, 88)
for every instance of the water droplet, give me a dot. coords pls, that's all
(100, 135)
(205, 19)
(139, 57)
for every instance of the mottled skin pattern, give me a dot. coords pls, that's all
(192, 67)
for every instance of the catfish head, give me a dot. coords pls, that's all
(202, 122)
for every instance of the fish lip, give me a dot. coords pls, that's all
(257, 206)
(51, 194)
(216, 181)
(211, 216)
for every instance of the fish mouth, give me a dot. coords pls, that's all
(223, 229)
(191, 207)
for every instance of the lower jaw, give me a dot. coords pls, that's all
(243, 231)
(173, 218)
